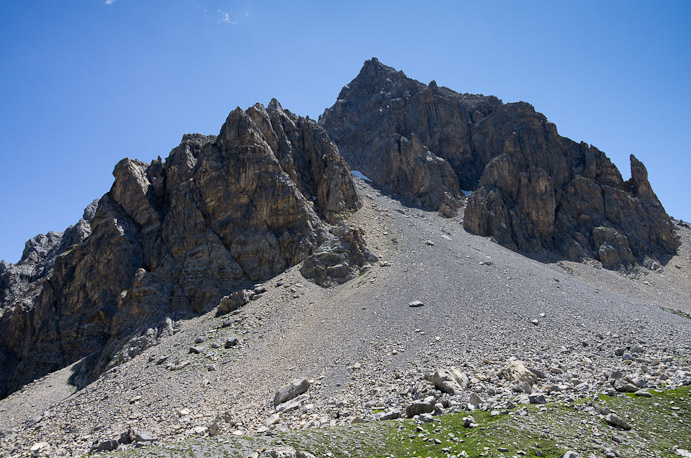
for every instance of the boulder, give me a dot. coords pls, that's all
(234, 300)
(288, 392)
(420, 406)
(516, 371)
(340, 259)
(449, 380)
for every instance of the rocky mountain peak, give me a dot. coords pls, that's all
(171, 238)
(534, 191)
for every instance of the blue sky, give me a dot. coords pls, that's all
(88, 82)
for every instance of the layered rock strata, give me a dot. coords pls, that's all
(172, 238)
(533, 190)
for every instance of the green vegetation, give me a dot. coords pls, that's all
(660, 423)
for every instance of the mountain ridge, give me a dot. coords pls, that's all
(534, 191)
(172, 239)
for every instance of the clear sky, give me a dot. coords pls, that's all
(88, 82)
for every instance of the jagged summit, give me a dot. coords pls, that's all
(534, 191)
(172, 237)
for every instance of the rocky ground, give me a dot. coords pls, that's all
(366, 347)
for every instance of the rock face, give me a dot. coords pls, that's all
(170, 239)
(533, 190)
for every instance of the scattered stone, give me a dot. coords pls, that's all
(178, 365)
(420, 406)
(449, 380)
(390, 414)
(293, 389)
(537, 398)
(643, 393)
(40, 449)
(196, 350)
(231, 342)
(613, 420)
(516, 371)
(234, 301)
(571, 454)
(415, 304)
(105, 446)
(475, 400)
(273, 419)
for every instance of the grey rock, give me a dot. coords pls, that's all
(475, 400)
(623, 386)
(448, 380)
(105, 446)
(517, 371)
(420, 406)
(537, 398)
(234, 300)
(613, 419)
(390, 414)
(342, 257)
(293, 389)
(415, 304)
(231, 342)
(426, 418)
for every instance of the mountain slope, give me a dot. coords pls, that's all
(364, 348)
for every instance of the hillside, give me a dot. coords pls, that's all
(366, 349)
(250, 284)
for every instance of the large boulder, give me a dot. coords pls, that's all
(290, 391)
(449, 380)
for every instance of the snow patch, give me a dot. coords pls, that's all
(357, 173)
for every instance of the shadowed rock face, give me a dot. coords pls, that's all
(170, 239)
(534, 191)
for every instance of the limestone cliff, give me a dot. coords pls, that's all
(533, 190)
(171, 238)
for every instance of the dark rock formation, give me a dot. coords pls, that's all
(534, 191)
(340, 259)
(172, 238)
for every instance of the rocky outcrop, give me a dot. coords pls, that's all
(339, 259)
(533, 190)
(172, 238)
